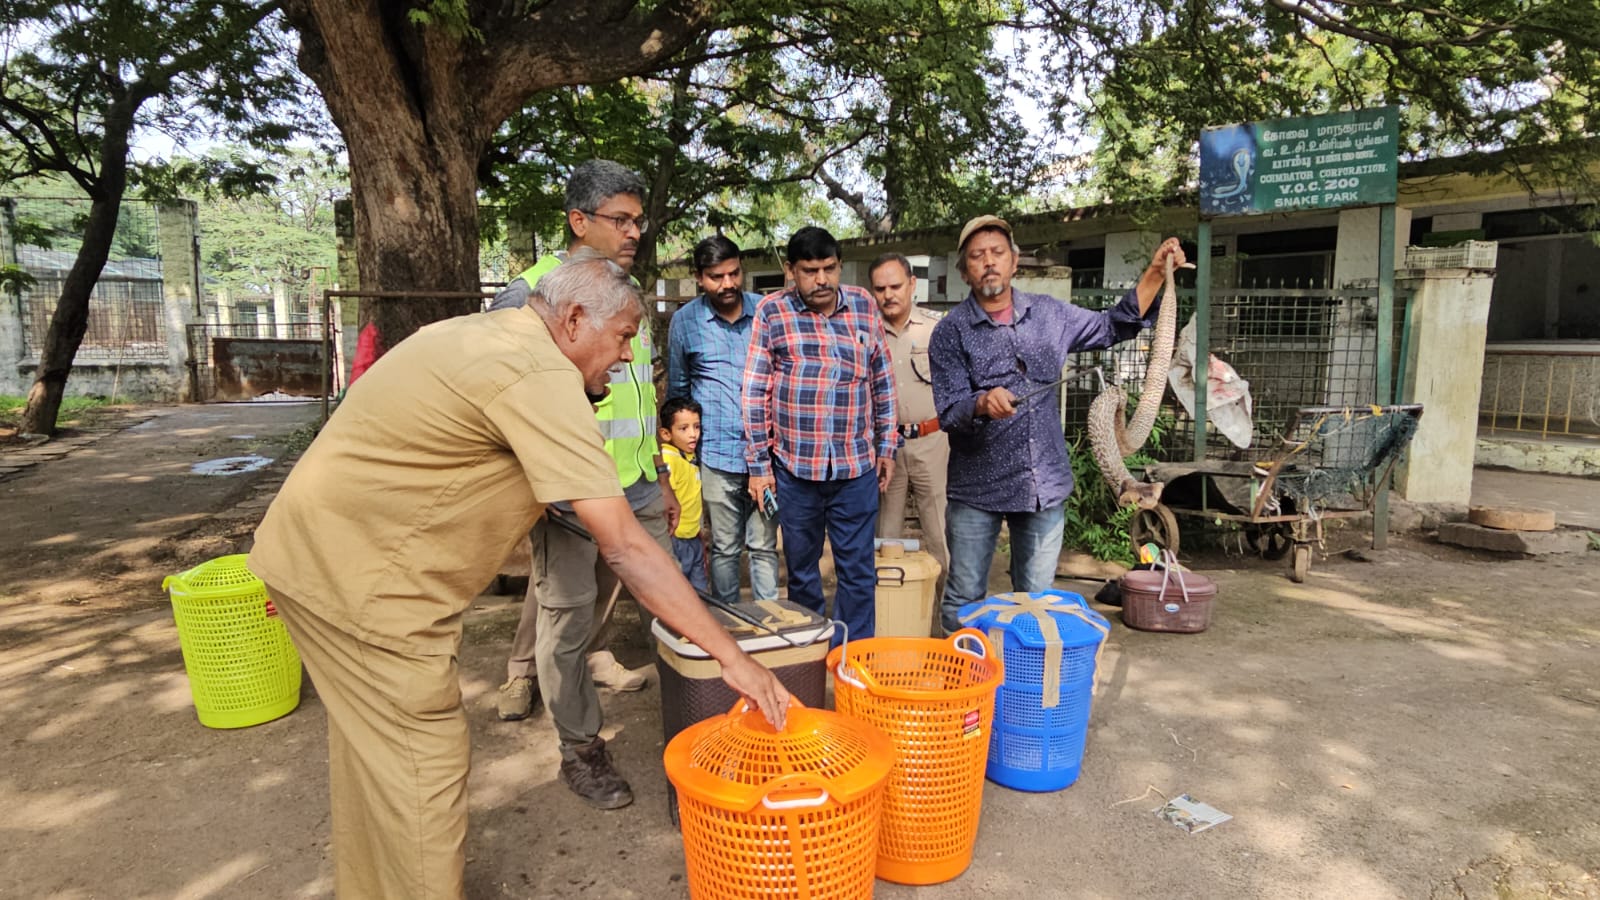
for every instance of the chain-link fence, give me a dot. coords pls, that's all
(127, 320)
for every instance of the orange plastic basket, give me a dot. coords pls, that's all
(935, 700)
(779, 815)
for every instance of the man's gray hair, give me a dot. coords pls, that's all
(588, 279)
(597, 181)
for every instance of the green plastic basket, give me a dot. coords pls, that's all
(243, 670)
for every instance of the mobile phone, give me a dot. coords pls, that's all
(769, 503)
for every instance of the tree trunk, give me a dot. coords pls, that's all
(413, 161)
(419, 104)
(70, 321)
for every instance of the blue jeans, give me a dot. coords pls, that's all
(846, 513)
(691, 555)
(736, 525)
(972, 534)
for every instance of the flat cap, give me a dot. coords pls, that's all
(980, 223)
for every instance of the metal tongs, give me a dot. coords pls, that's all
(572, 526)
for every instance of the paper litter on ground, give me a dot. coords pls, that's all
(1190, 814)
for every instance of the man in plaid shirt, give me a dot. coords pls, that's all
(819, 410)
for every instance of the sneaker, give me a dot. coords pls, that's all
(516, 698)
(590, 775)
(607, 672)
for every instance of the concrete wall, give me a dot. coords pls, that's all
(1550, 457)
(163, 381)
(1127, 256)
(1355, 259)
(347, 309)
(1449, 316)
(1055, 281)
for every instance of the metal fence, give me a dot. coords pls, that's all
(202, 337)
(1551, 391)
(1296, 347)
(127, 319)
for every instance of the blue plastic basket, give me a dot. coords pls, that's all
(1032, 746)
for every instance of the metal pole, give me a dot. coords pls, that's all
(327, 356)
(1202, 335)
(1385, 348)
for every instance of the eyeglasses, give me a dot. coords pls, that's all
(621, 223)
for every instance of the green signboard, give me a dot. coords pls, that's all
(1309, 162)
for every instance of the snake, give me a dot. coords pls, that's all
(1110, 437)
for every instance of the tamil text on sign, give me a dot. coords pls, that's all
(1311, 162)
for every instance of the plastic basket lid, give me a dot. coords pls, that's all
(223, 575)
(795, 625)
(737, 761)
(1024, 626)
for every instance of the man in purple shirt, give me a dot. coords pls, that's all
(1008, 458)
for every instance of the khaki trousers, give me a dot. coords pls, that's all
(921, 467)
(398, 754)
(564, 619)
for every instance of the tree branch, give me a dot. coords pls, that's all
(567, 42)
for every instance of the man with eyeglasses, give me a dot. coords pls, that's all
(560, 644)
(1008, 456)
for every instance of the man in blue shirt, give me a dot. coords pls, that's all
(706, 349)
(1008, 458)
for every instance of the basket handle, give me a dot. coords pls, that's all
(797, 803)
(970, 636)
(792, 783)
(842, 672)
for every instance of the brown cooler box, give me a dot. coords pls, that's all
(1180, 602)
(691, 681)
(904, 600)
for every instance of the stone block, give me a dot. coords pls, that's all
(1509, 518)
(1528, 543)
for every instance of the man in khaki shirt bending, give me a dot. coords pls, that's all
(924, 457)
(439, 459)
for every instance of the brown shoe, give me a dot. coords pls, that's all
(516, 698)
(588, 772)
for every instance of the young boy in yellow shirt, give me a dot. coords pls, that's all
(680, 435)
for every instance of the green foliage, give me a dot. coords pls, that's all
(14, 279)
(73, 409)
(1517, 76)
(273, 227)
(1094, 522)
(897, 109)
(79, 79)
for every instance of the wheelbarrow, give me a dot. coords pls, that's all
(1330, 464)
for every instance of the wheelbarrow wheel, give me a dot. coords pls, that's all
(1154, 526)
(1271, 541)
(1302, 563)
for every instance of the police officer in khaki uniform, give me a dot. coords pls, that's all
(925, 454)
(439, 460)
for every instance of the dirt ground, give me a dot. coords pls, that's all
(1424, 725)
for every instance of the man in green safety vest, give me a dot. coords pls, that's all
(560, 645)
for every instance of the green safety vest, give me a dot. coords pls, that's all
(627, 415)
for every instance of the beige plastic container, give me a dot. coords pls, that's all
(907, 580)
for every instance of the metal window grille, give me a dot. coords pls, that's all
(127, 317)
(127, 320)
(1543, 390)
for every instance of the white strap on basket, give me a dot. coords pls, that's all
(1168, 564)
